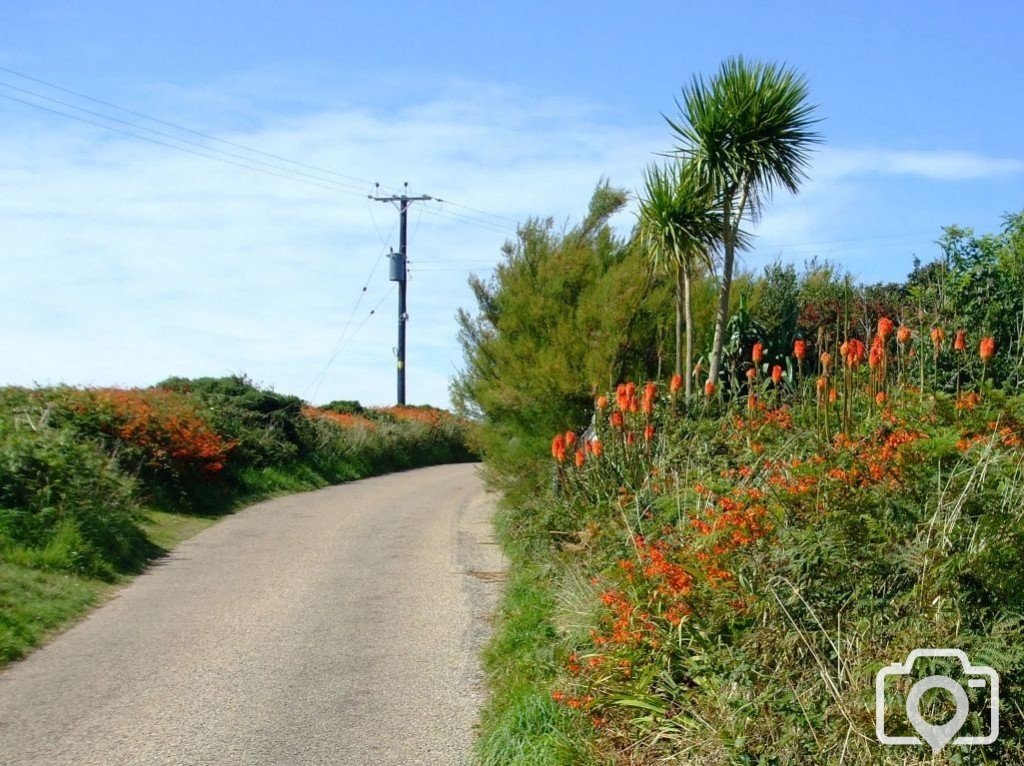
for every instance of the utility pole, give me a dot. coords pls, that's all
(399, 273)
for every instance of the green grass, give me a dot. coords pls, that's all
(35, 604)
(522, 725)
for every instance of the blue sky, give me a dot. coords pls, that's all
(124, 262)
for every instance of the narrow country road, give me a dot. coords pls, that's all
(333, 627)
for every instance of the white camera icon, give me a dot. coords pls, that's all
(939, 735)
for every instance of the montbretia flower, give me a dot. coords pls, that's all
(987, 349)
(800, 349)
(960, 342)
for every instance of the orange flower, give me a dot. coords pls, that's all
(630, 438)
(821, 383)
(621, 397)
(880, 398)
(826, 360)
(697, 370)
(580, 458)
(757, 355)
(960, 342)
(616, 420)
(602, 402)
(938, 337)
(596, 448)
(709, 388)
(885, 328)
(877, 351)
(558, 448)
(751, 374)
(676, 384)
(649, 432)
(987, 349)
(903, 335)
(832, 396)
(570, 438)
(776, 374)
(800, 349)
(853, 352)
(650, 390)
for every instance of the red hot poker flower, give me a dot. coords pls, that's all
(903, 335)
(800, 349)
(676, 384)
(987, 349)
(960, 342)
(757, 355)
(580, 458)
(938, 337)
(558, 448)
(776, 374)
(885, 328)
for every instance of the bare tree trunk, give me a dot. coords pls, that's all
(688, 309)
(679, 324)
(730, 228)
(722, 315)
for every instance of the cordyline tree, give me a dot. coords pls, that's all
(745, 131)
(679, 224)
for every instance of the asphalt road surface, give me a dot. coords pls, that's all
(333, 627)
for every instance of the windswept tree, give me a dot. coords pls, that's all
(745, 131)
(679, 225)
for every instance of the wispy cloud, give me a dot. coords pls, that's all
(938, 165)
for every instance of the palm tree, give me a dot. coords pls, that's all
(679, 224)
(745, 131)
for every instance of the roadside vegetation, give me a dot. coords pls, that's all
(722, 528)
(96, 483)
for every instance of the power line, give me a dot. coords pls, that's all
(341, 347)
(178, 148)
(176, 138)
(176, 126)
(362, 293)
(209, 137)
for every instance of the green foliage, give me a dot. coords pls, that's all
(565, 314)
(64, 503)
